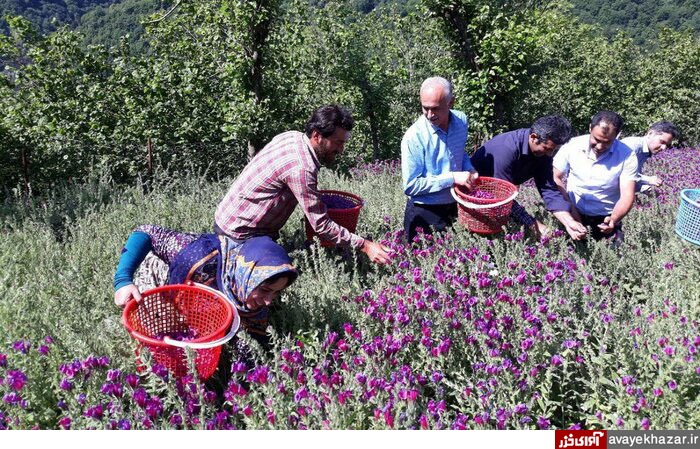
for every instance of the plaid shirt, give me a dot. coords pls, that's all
(265, 194)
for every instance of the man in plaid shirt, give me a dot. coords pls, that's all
(283, 174)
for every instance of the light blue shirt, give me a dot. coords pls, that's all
(639, 146)
(593, 183)
(429, 155)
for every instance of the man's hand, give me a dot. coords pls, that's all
(656, 181)
(576, 230)
(377, 253)
(124, 294)
(465, 178)
(608, 225)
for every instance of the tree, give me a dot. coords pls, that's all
(492, 43)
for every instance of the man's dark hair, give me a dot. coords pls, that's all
(552, 127)
(327, 118)
(665, 127)
(611, 118)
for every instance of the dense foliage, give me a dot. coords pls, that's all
(458, 332)
(220, 78)
(640, 19)
(48, 15)
(108, 24)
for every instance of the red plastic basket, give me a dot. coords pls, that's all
(346, 217)
(488, 213)
(184, 309)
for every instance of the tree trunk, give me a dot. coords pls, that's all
(149, 157)
(499, 111)
(258, 32)
(370, 110)
(457, 24)
(24, 161)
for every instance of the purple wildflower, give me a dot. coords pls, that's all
(520, 409)
(21, 346)
(645, 423)
(16, 379)
(160, 371)
(258, 375)
(154, 407)
(65, 422)
(12, 398)
(95, 412)
(132, 380)
(175, 420)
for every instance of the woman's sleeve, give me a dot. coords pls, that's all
(165, 244)
(135, 250)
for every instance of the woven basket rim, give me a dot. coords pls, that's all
(132, 306)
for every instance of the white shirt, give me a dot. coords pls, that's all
(593, 182)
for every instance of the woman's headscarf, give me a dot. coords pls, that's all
(244, 266)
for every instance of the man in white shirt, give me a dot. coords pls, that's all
(659, 137)
(601, 176)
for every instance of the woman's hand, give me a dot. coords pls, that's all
(124, 294)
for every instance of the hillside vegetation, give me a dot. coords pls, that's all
(220, 78)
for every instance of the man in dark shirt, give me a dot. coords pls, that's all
(523, 154)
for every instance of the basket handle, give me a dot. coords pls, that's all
(482, 206)
(207, 344)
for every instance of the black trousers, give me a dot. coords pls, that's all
(427, 217)
(594, 220)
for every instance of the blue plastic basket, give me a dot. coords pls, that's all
(688, 221)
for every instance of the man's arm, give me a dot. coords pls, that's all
(558, 177)
(304, 186)
(627, 189)
(556, 200)
(575, 229)
(415, 181)
(622, 207)
(650, 180)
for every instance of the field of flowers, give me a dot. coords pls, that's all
(459, 332)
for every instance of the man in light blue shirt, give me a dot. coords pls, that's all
(659, 137)
(601, 176)
(433, 159)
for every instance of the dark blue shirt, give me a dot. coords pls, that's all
(507, 156)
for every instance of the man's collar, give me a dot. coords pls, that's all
(645, 147)
(525, 147)
(307, 142)
(435, 129)
(589, 151)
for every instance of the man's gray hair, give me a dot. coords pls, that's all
(438, 81)
(665, 126)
